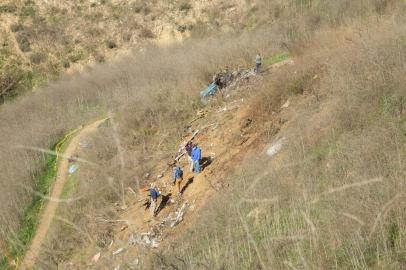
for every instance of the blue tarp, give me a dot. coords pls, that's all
(209, 91)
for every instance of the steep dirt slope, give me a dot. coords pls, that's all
(226, 134)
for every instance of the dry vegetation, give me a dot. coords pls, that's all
(40, 40)
(349, 128)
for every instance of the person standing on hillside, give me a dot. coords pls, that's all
(258, 63)
(153, 194)
(188, 148)
(177, 176)
(196, 156)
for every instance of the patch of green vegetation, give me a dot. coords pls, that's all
(29, 9)
(251, 18)
(23, 42)
(20, 241)
(75, 56)
(275, 59)
(8, 8)
(38, 57)
(321, 151)
(391, 105)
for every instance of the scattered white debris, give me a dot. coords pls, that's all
(73, 168)
(96, 258)
(275, 147)
(144, 239)
(118, 251)
(160, 176)
(179, 215)
(117, 267)
(285, 105)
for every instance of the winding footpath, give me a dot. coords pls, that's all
(48, 214)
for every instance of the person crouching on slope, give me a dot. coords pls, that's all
(196, 156)
(177, 176)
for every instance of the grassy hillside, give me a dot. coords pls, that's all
(334, 197)
(40, 40)
(336, 187)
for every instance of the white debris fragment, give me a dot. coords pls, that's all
(285, 105)
(96, 258)
(118, 251)
(117, 267)
(275, 147)
(144, 239)
(179, 215)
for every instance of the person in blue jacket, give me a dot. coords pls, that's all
(196, 157)
(153, 194)
(177, 177)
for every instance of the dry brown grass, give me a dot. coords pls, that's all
(152, 94)
(334, 196)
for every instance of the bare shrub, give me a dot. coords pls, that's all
(147, 33)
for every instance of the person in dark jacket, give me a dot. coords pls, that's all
(188, 148)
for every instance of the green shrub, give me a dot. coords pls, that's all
(66, 63)
(23, 42)
(16, 27)
(28, 11)
(76, 56)
(38, 57)
(8, 8)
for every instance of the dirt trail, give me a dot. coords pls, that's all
(50, 209)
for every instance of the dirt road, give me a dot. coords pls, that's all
(50, 209)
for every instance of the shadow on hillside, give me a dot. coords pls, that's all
(206, 161)
(189, 181)
(164, 202)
